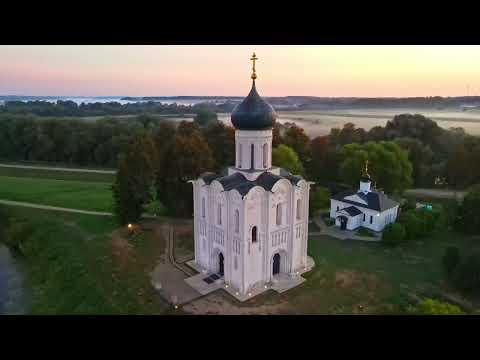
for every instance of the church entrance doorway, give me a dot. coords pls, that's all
(276, 264)
(343, 222)
(220, 264)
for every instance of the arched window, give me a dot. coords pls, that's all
(254, 234)
(237, 221)
(279, 214)
(299, 209)
(240, 155)
(252, 157)
(203, 207)
(265, 154)
(219, 214)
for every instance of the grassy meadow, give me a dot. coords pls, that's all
(56, 174)
(84, 195)
(77, 264)
(354, 277)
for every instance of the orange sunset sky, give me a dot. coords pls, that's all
(363, 71)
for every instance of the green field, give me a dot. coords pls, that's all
(94, 196)
(380, 279)
(73, 264)
(57, 174)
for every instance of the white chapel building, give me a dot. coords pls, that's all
(251, 223)
(365, 207)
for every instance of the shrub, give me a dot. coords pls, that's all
(364, 232)
(466, 276)
(319, 199)
(451, 259)
(393, 234)
(434, 307)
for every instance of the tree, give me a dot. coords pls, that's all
(285, 157)
(319, 147)
(154, 206)
(451, 259)
(468, 219)
(389, 166)
(421, 158)
(393, 234)
(466, 276)
(295, 138)
(134, 179)
(459, 170)
(205, 116)
(184, 159)
(434, 307)
(221, 140)
(319, 199)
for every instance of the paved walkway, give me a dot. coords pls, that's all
(55, 208)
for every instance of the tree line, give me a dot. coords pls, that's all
(71, 108)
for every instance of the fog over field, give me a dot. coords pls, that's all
(319, 122)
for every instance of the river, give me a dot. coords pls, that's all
(13, 293)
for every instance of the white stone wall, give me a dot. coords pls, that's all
(248, 263)
(244, 139)
(379, 219)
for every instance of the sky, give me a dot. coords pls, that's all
(332, 71)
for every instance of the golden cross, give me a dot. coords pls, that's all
(366, 167)
(253, 58)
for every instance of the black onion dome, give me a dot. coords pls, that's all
(253, 113)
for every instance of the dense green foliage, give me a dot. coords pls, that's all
(389, 166)
(319, 199)
(393, 234)
(205, 116)
(434, 307)
(285, 157)
(451, 259)
(468, 219)
(466, 276)
(136, 175)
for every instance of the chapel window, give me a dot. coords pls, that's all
(254, 234)
(279, 214)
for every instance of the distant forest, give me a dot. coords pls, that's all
(152, 105)
(71, 108)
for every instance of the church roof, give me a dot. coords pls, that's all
(372, 200)
(253, 113)
(352, 211)
(239, 182)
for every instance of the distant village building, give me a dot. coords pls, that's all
(251, 223)
(365, 207)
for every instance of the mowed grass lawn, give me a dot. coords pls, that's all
(84, 195)
(354, 277)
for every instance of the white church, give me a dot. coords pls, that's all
(251, 223)
(365, 207)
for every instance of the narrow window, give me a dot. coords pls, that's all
(279, 214)
(237, 221)
(235, 263)
(265, 154)
(371, 219)
(363, 217)
(252, 157)
(219, 214)
(299, 209)
(203, 207)
(240, 156)
(254, 234)
(338, 208)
